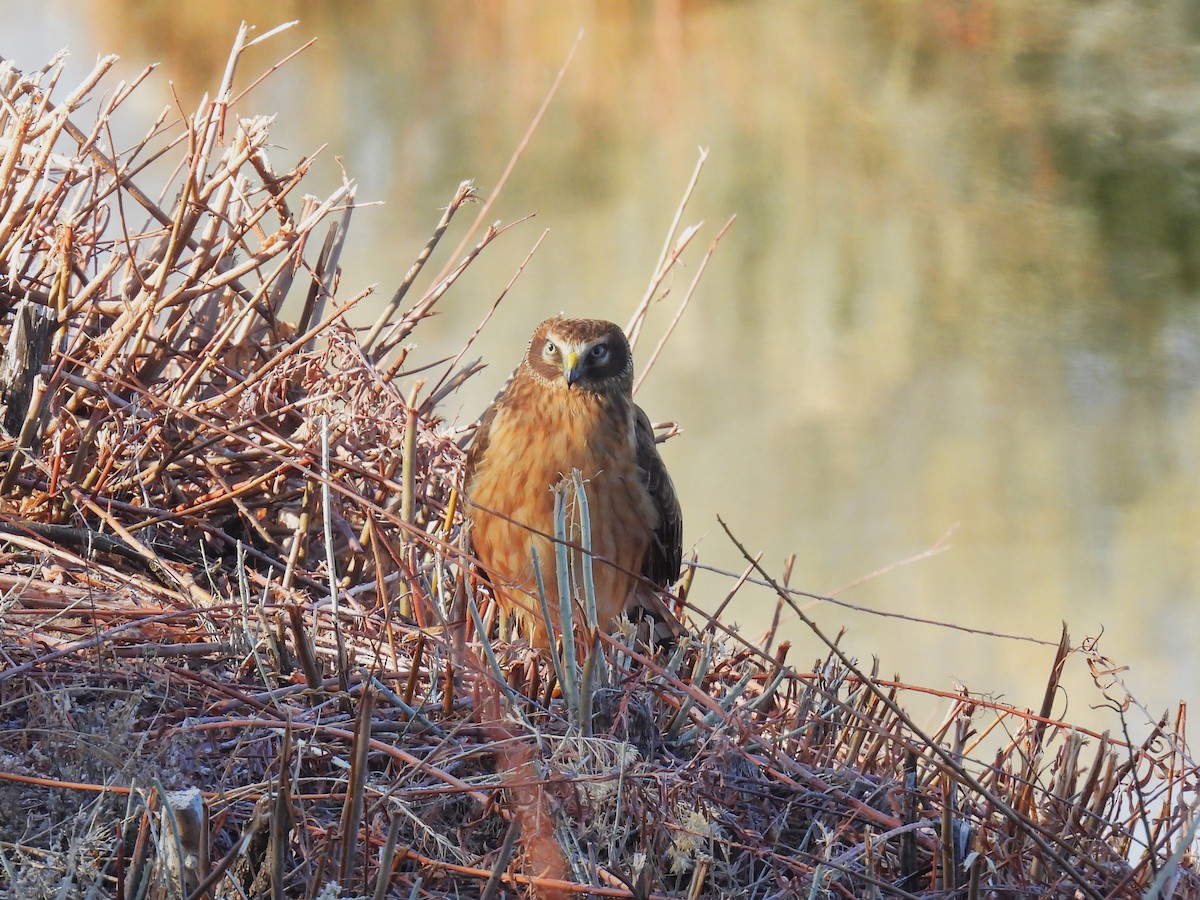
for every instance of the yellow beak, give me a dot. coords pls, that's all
(571, 368)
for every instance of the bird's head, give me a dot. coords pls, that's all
(581, 354)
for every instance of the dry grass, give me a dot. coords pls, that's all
(233, 581)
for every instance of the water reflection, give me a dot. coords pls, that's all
(960, 295)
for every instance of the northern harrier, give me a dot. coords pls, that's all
(570, 406)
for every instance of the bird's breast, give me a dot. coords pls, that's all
(536, 441)
(557, 434)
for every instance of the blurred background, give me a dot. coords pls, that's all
(958, 308)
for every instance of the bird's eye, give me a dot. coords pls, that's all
(550, 348)
(600, 351)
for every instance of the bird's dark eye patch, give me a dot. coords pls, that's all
(600, 351)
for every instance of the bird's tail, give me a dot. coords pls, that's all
(648, 604)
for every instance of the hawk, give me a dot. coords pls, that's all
(569, 405)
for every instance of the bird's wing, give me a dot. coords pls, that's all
(666, 546)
